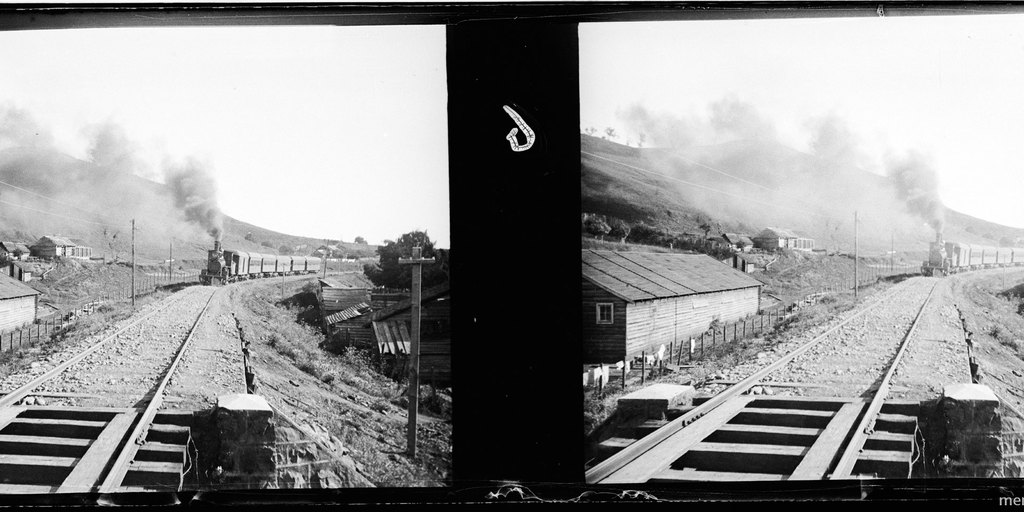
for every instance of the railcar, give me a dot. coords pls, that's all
(945, 258)
(228, 266)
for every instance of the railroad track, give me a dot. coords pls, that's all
(734, 436)
(133, 446)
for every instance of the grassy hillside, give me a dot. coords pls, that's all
(61, 195)
(745, 186)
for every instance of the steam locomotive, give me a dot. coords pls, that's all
(945, 258)
(223, 266)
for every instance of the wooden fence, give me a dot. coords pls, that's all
(32, 334)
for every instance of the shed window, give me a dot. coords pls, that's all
(605, 313)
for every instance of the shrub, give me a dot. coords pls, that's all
(997, 332)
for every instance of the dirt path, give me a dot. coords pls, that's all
(998, 329)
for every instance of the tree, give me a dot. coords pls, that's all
(249, 236)
(590, 130)
(360, 240)
(267, 244)
(284, 249)
(706, 225)
(596, 226)
(610, 133)
(387, 272)
(619, 229)
(114, 243)
(641, 139)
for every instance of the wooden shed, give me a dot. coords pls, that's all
(637, 301)
(337, 293)
(392, 329)
(18, 303)
(57, 246)
(776, 238)
(14, 250)
(738, 241)
(349, 328)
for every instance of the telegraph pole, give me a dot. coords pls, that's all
(892, 252)
(856, 284)
(133, 263)
(170, 261)
(417, 263)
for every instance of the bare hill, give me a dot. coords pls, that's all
(94, 204)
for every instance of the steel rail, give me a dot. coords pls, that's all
(26, 389)
(866, 426)
(616, 462)
(138, 436)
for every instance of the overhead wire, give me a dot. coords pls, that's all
(37, 194)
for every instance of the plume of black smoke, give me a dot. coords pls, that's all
(195, 193)
(917, 184)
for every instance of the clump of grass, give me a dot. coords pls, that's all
(998, 333)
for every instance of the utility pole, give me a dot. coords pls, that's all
(133, 263)
(170, 261)
(417, 263)
(856, 284)
(892, 252)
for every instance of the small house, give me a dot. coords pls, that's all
(740, 263)
(738, 241)
(338, 293)
(719, 243)
(60, 247)
(20, 271)
(773, 239)
(635, 301)
(14, 250)
(19, 303)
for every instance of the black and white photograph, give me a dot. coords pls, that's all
(225, 258)
(802, 248)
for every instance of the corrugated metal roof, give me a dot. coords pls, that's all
(57, 240)
(13, 246)
(426, 294)
(359, 309)
(635, 276)
(777, 233)
(11, 288)
(736, 238)
(359, 281)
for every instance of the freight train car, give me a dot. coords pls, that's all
(945, 258)
(228, 266)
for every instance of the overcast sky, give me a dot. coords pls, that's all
(325, 132)
(949, 87)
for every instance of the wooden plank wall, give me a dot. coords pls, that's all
(652, 323)
(602, 343)
(17, 311)
(333, 300)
